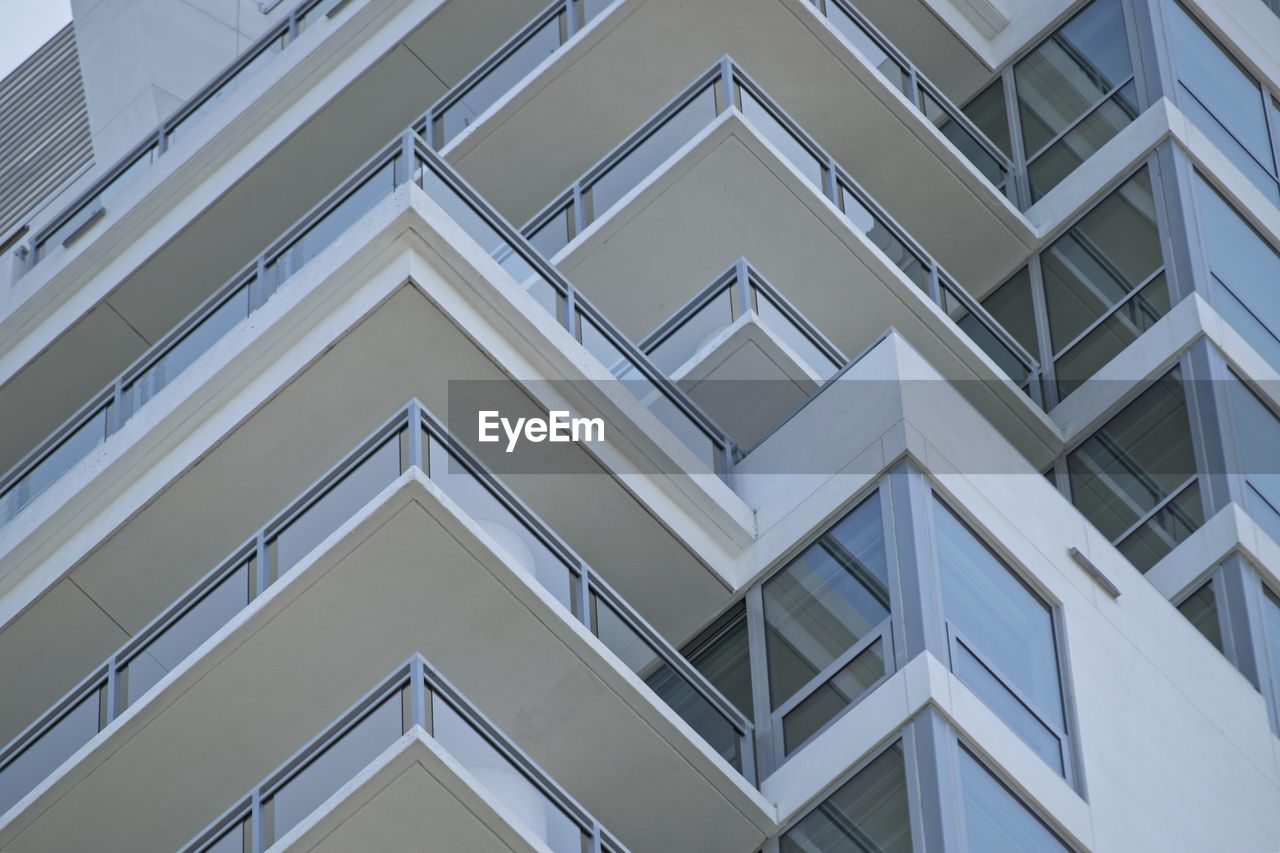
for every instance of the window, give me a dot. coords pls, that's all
(1109, 265)
(1135, 478)
(1001, 636)
(1223, 99)
(826, 617)
(723, 655)
(1257, 433)
(1244, 272)
(1201, 610)
(1271, 630)
(995, 820)
(869, 812)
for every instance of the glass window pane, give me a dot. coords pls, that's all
(632, 169)
(1227, 92)
(73, 730)
(998, 616)
(982, 330)
(1201, 610)
(987, 111)
(1246, 271)
(172, 645)
(868, 813)
(782, 139)
(963, 139)
(725, 661)
(1140, 457)
(1057, 161)
(698, 330)
(521, 544)
(995, 820)
(1162, 532)
(1010, 305)
(344, 499)
(844, 688)
(501, 79)
(1088, 355)
(1271, 629)
(1258, 174)
(991, 690)
(1258, 443)
(1071, 71)
(191, 346)
(500, 777)
(336, 765)
(1108, 253)
(826, 600)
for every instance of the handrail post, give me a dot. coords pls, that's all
(726, 83)
(935, 287)
(417, 453)
(582, 598)
(743, 286)
(405, 159)
(417, 693)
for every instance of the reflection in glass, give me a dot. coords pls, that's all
(1201, 610)
(784, 140)
(1258, 444)
(724, 658)
(846, 687)
(800, 343)
(1010, 304)
(995, 820)
(987, 111)
(1164, 529)
(858, 36)
(699, 328)
(868, 813)
(1271, 630)
(57, 462)
(825, 601)
(73, 730)
(883, 238)
(1080, 143)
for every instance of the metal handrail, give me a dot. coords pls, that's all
(728, 74)
(156, 143)
(416, 682)
(257, 556)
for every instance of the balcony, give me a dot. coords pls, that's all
(253, 152)
(854, 94)
(253, 634)
(411, 760)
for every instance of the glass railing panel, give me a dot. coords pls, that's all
(698, 329)
(485, 91)
(500, 776)
(321, 233)
(882, 237)
(783, 139)
(673, 688)
(495, 516)
(58, 461)
(624, 174)
(172, 645)
(190, 346)
(341, 760)
(554, 233)
(127, 175)
(339, 502)
(982, 332)
(56, 744)
(860, 37)
(964, 139)
(262, 55)
(780, 323)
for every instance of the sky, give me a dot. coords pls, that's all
(27, 24)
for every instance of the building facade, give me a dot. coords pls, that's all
(732, 425)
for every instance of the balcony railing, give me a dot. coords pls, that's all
(249, 289)
(736, 292)
(725, 86)
(413, 438)
(904, 76)
(87, 207)
(415, 696)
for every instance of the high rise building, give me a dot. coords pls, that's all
(653, 425)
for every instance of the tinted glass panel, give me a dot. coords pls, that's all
(998, 616)
(46, 472)
(191, 346)
(1079, 144)
(962, 138)
(336, 765)
(884, 239)
(73, 730)
(1271, 628)
(1162, 532)
(782, 139)
(995, 820)
(826, 600)
(1201, 610)
(172, 645)
(552, 235)
(1108, 253)
(801, 344)
(490, 88)
(1258, 443)
(1071, 71)
(1246, 271)
(1010, 306)
(988, 112)
(499, 776)
(526, 549)
(1102, 343)
(725, 661)
(628, 172)
(337, 505)
(844, 688)
(862, 41)
(1140, 457)
(991, 690)
(698, 330)
(867, 813)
